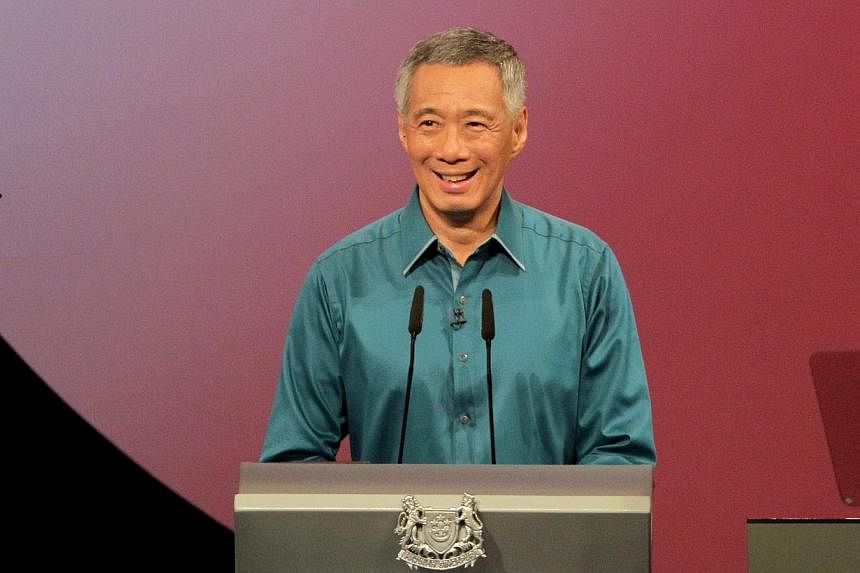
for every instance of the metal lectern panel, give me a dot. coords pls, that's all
(341, 517)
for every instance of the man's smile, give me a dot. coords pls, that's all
(457, 177)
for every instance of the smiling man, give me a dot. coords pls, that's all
(559, 379)
(460, 137)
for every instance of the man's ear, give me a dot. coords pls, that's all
(401, 130)
(521, 131)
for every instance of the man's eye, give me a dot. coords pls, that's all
(427, 123)
(475, 124)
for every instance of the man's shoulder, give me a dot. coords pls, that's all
(382, 229)
(542, 225)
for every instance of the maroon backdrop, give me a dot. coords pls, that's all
(170, 170)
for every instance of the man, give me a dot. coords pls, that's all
(566, 381)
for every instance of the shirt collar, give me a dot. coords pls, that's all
(418, 237)
(509, 229)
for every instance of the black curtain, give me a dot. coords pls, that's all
(78, 503)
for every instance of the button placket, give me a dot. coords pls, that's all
(462, 345)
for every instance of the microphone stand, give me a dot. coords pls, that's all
(415, 322)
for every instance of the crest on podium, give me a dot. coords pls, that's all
(440, 538)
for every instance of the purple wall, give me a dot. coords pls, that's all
(169, 171)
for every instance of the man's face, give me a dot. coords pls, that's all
(459, 137)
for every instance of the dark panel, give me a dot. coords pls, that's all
(76, 502)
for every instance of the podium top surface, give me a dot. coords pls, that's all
(351, 478)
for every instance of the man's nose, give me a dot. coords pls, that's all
(451, 146)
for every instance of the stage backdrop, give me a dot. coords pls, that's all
(169, 170)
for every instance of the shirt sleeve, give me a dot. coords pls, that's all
(614, 424)
(308, 417)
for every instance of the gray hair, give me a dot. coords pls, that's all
(461, 46)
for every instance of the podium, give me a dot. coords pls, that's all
(341, 517)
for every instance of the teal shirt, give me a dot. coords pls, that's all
(568, 378)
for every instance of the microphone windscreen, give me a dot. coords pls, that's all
(416, 317)
(488, 320)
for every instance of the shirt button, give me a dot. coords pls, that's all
(464, 357)
(464, 419)
(462, 300)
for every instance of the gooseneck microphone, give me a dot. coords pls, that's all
(488, 332)
(416, 319)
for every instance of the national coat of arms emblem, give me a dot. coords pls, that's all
(440, 538)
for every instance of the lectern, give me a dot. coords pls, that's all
(342, 517)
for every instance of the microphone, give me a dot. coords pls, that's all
(488, 321)
(416, 315)
(488, 332)
(416, 320)
(459, 318)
